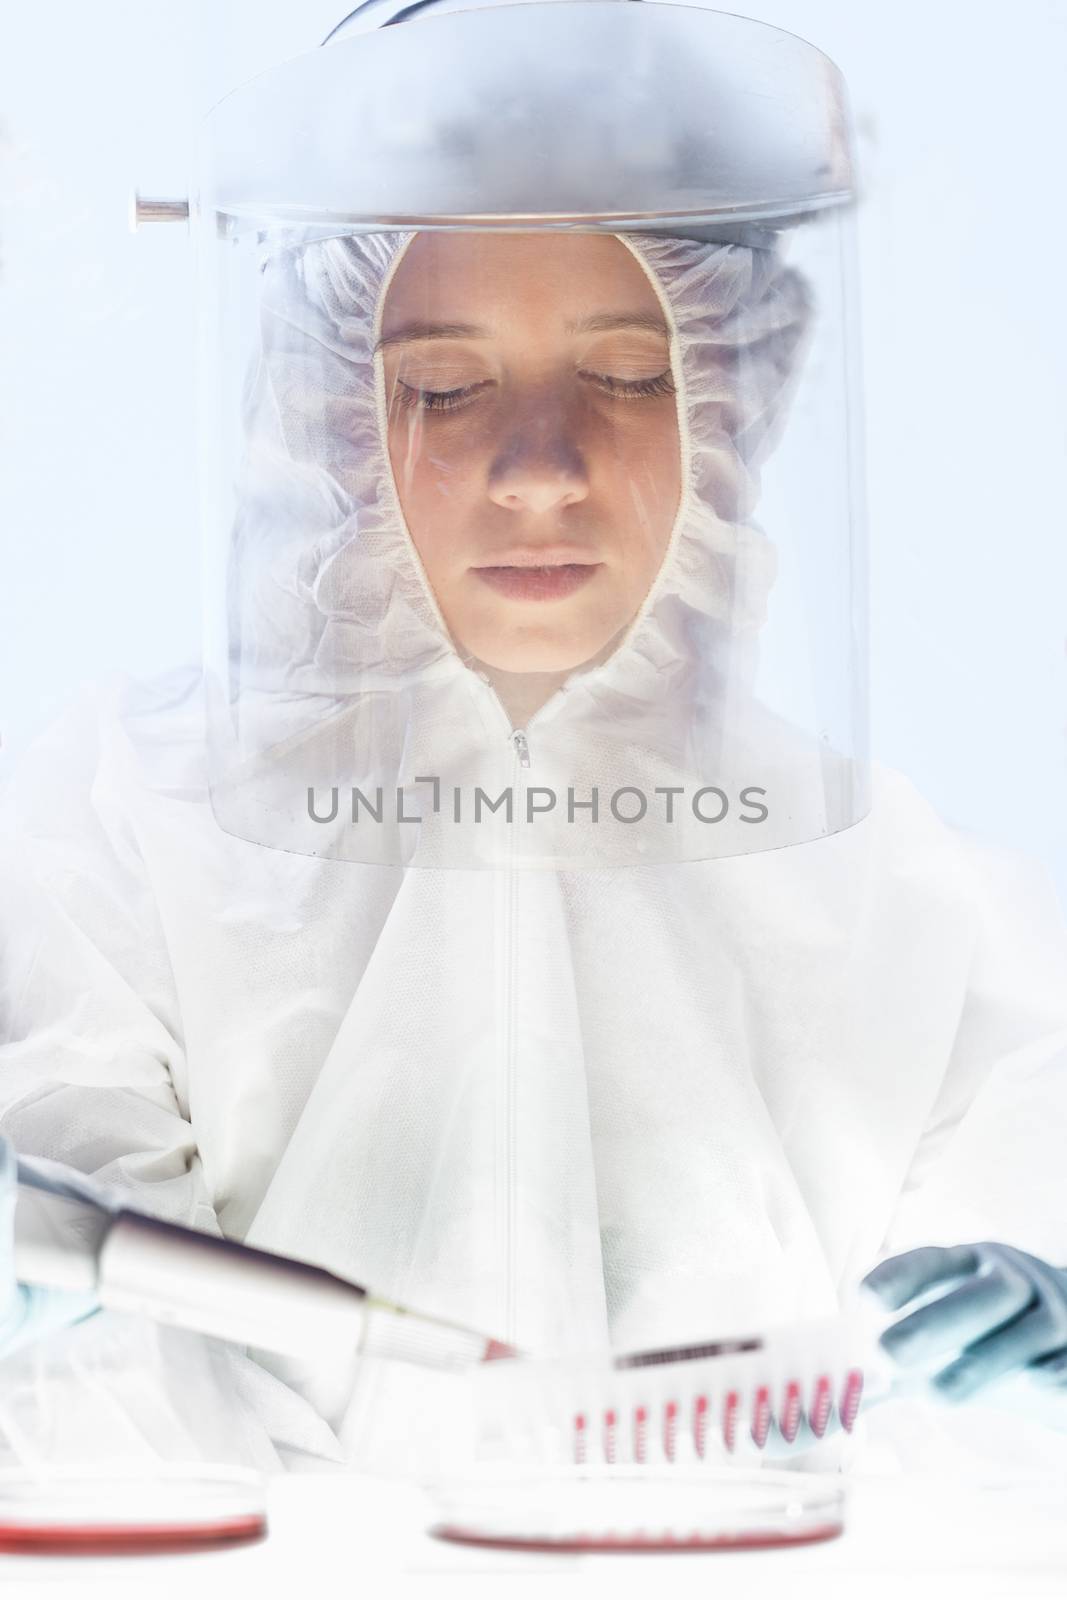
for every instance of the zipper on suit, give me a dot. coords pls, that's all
(509, 1129)
(507, 1120)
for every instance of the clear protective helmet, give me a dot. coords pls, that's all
(533, 497)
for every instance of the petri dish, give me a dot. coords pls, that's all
(633, 1509)
(99, 1511)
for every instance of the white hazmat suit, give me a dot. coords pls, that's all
(567, 1102)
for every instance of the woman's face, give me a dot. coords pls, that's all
(533, 436)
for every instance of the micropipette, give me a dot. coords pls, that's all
(193, 1280)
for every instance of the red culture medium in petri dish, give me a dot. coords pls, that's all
(629, 1508)
(164, 1513)
(629, 1543)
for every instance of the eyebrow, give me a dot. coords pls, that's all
(603, 322)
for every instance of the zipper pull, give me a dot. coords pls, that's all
(522, 749)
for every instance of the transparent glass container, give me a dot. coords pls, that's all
(629, 1507)
(68, 1510)
(121, 1435)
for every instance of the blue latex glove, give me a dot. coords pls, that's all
(997, 1311)
(28, 1312)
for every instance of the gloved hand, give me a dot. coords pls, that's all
(1000, 1311)
(28, 1312)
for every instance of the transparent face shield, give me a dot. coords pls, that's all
(529, 413)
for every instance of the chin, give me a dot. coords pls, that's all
(509, 655)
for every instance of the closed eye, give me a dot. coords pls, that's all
(411, 397)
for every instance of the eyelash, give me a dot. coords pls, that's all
(453, 399)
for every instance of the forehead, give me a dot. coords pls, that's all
(489, 277)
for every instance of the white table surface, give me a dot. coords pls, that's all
(350, 1535)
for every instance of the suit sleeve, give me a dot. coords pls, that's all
(91, 1049)
(992, 1159)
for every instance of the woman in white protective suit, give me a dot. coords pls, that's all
(525, 938)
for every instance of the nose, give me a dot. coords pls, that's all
(539, 466)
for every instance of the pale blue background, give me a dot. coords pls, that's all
(963, 126)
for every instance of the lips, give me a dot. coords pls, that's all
(549, 581)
